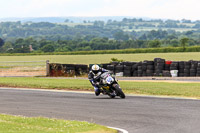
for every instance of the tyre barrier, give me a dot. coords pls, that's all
(157, 67)
(67, 70)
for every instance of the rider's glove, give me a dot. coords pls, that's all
(97, 83)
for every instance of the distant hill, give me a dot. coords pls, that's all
(62, 19)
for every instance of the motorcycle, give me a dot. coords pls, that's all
(109, 86)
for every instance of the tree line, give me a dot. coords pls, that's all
(28, 45)
(17, 37)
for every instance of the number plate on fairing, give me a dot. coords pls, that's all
(109, 80)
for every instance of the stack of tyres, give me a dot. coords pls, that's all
(193, 68)
(174, 65)
(111, 68)
(114, 63)
(128, 68)
(166, 71)
(105, 65)
(159, 65)
(198, 70)
(187, 65)
(139, 69)
(135, 70)
(119, 69)
(127, 71)
(144, 69)
(150, 68)
(127, 63)
(167, 65)
(181, 69)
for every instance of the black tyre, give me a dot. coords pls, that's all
(140, 71)
(187, 67)
(181, 70)
(192, 74)
(158, 71)
(135, 67)
(110, 67)
(187, 63)
(127, 73)
(160, 67)
(193, 70)
(139, 67)
(186, 74)
(144, 74)
(150, 71)
(149, 74)
(160, 64)
(186, 70)
(181, 74)
(181, 66)
(144, 67)
(174, 65)
(173, 68)
(119, 68)
(119, 92)
(150, 67)
(150, 62)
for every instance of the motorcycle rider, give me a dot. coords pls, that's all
(94, 77)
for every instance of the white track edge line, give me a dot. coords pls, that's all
(87, 92)
(119, 129)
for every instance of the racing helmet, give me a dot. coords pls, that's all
(95, 69)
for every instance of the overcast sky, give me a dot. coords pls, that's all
(170, 9)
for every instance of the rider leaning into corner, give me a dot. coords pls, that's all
(94, 77)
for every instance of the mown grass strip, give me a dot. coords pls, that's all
(19, 124)
(129, 87)
(103, 58)
(119, 51)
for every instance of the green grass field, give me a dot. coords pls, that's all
(33, 125)
(104, 58)
(129, 87)
(19, 124)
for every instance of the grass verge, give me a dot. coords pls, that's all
(129, 87)
(102, 58)
(13, 124)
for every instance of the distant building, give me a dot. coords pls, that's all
(30, 47)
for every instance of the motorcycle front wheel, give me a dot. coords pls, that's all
(119, 92)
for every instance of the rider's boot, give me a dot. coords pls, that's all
(113, 94)
(97, 91)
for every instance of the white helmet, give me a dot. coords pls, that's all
(95, 69)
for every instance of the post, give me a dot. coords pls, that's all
(47, 68)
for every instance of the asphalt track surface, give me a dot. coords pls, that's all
(136, 114)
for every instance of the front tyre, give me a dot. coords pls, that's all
(119, 91)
